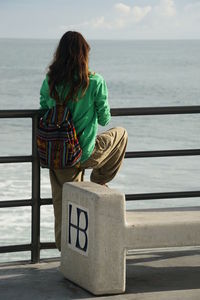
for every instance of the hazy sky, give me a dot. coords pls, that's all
(103, 19)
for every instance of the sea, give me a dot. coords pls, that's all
(150, 73)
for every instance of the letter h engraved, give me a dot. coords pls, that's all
(79, 212)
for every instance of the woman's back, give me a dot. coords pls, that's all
(87, 112)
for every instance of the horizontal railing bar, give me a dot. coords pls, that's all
(162, 153)
(128, 111)
(18, 113)
(26, 247)
(46, 201)
(131, 154)
(24, 202)
(15, 159)
(143, 111)
(15, 203)
(129, 197)
(49, 245)
(166, 195)
(15, 248)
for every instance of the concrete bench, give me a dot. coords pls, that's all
(97, 232)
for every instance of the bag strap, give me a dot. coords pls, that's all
(61, 111)
(66, 113)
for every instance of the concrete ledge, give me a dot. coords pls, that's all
(150, 229)
(97, 232)
(92, 228)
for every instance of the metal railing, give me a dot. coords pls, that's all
(35, 202)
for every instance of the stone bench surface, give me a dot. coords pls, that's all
(152, 229)
(143, 218)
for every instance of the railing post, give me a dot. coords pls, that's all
(35, 237)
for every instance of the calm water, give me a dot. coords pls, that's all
(138, 73)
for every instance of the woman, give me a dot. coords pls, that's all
(69, 79)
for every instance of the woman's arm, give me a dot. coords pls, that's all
(45, 100)
(101, 103)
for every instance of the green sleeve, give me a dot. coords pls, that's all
(45, 100)
(101, 103)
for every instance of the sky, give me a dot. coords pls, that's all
(102, 19)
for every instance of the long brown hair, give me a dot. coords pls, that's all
(69, 67)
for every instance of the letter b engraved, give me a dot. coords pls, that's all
(78, 228)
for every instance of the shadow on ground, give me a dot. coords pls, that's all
(146, 273)
(163, 271)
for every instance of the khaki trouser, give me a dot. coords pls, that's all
(105, 161)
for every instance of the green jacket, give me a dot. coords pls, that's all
(87, 113)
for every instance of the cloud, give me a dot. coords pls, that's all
(161, 20)
(123, 8)
(130, 14)
(73, 26)
(140, 12)
(101, 23)
(166, 8)
(127, 15)
(123, 16)
(98, 22)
